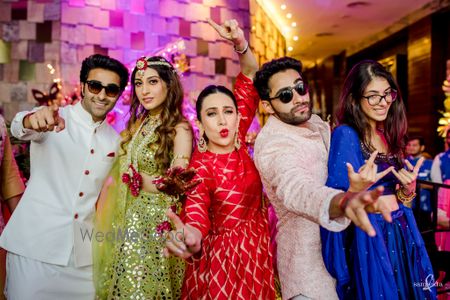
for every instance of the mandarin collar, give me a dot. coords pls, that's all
(86, 116)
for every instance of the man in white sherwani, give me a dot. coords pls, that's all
(72, 151)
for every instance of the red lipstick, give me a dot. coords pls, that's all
(224, 133)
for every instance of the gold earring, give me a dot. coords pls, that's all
(202, 145)
(237, 142)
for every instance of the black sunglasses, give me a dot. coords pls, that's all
(95, 87)
(286, 94)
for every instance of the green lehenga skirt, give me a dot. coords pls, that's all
(128, 260)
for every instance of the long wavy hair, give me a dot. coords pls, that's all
(171, 113)
(350, 112)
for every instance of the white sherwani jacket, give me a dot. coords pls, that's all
(67, 172)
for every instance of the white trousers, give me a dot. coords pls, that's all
(31, 279)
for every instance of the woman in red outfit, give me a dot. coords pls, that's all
(224, 232)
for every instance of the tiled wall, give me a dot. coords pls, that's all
(267, 41)
(62, 33)
(29, 40)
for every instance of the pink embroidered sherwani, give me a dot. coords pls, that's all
(292, 162)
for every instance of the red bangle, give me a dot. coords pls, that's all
(343, 202)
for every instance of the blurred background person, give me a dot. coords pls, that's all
(415, 149)
(11, 189)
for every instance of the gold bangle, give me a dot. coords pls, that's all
(402, 197)
(180, 156)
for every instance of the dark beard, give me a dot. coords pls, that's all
(291, 118)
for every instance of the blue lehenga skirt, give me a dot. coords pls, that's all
(392, 265)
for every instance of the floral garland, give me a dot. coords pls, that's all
(131, 177)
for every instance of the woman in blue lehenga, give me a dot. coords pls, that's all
(394, 264)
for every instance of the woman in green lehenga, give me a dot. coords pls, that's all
(131, 213)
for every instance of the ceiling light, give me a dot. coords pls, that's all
(293, 24)
(290, 48)
(283, 6)
(295, 38)
(289, 15)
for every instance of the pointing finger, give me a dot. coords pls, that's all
(365, 222)
(175, 219)
(214, 25)
(372, 157)
(384, 173)
(61, 124)
(233, 25)
(418, 165)
(350, 169)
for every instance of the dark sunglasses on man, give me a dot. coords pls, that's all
(287, 94)
(95, 87)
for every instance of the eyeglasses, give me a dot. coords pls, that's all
(95, 87)
(389, 97)
(286, 94)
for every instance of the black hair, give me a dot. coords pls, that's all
(212, 89)
(417, 137)
(262, 77)
(104, 62)
(351, 113)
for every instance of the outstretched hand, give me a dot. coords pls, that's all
(45, 119)
(184, 240)
(230, 31)
(366, 176)
(177, 181)
(357, 205)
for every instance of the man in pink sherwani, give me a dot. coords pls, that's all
(291, 154)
